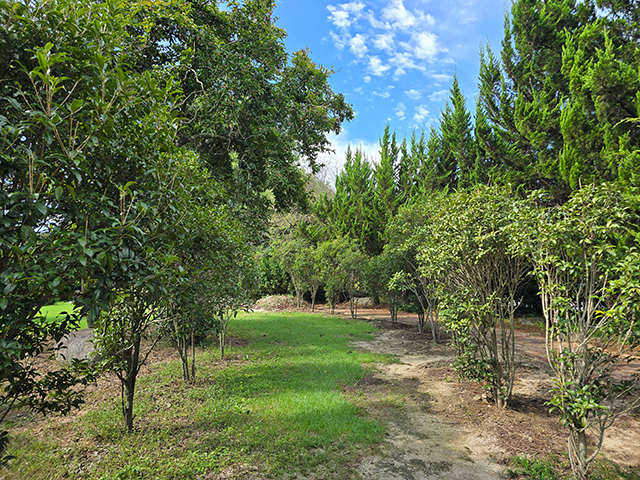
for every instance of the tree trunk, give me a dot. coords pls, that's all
(193, 358)
(578, 454)
(130, 384)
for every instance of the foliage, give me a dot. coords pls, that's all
(252, 111)
(406, 234)
(378, 274)
(338, 261)
(584, 256)
(457, 158)
(211, 252)
(556, 110)
(351, 213)
(466, 247)
(79, 138)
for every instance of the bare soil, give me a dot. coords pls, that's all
(446, 429)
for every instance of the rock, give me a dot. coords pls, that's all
(365, 302)
(78, 344)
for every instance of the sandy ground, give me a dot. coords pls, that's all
(445, 429)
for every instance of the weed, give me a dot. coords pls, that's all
(532, 468)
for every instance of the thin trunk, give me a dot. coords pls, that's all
(193, 358)
(130, 384)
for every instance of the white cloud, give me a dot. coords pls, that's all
(421, 113)
(358, 45)
(376, 67)
(413, 94)
(382, 94)
(438, 96)
(384, 41)
(401, 18)
(426, 45)
(367, 79)
(358, 89)
(404, 60)
(339, 41)
(399, 73)
(401, 111)
(343, 15)
(441, 77)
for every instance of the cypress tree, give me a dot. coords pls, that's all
(458, 152)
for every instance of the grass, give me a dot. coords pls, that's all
(58, 310)
(533, 468)
(279, 405)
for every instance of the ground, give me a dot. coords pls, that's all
(437, 427)
(446, 429)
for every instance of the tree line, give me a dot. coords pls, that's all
(532, 200)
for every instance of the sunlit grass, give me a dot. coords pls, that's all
(276, 406)
(58, 311)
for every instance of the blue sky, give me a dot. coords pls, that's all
(395, 59)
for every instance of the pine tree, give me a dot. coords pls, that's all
(352, 213)
(522, 95)
(458, 157)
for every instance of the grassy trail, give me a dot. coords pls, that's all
(277, 405)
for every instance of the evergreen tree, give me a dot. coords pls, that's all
(351, 213)
(601, 65)
(557, 110)
(386, 195)
(458, 159)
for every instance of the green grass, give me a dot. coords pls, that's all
(532, 468)
(56, 311)
(281, 404)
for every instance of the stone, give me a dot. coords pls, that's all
(365, 301)
(78, 344)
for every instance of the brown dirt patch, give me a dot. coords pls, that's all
(440, 428)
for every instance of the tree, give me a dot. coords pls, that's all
(207, 258)
(292, 252)
(458, 153)
(557, 107)
(233, 294)
(251, 110)
(466, 248)
(76, 129)
(378, 274)
(351, 211)
(338, 260)
(353, 264)
(584, 255)
(147, 267)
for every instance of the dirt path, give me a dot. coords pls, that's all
(420, 444)
(439, 429)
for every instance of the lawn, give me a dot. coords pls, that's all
(56, 311)
(278, 404)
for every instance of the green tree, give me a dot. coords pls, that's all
(584, 257)
(208, 258)
(341, 264)
(251, 110)
(466, 247)
(351, 212)
(76, 129)
(378, 272)
(457, 161)
(558, 107)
